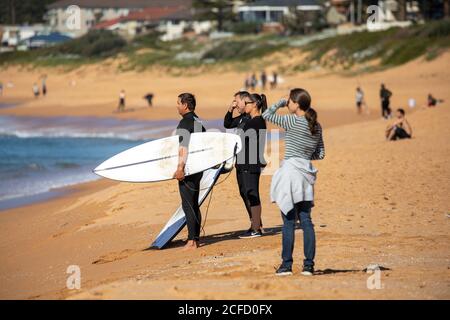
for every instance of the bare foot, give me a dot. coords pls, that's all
(190, 245)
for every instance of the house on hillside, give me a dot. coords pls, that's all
(273, 11)
(171, 22)
(77, 17)
(390, 12)
(11, 36)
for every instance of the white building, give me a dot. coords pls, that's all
(270, 11)
(77, 17)
(13, 35)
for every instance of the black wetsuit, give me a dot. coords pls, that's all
(385, 96)
(400, 133)
(248, 172)
(250, 160)
(190, 187)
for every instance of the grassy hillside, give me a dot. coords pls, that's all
(393, 47)
(389, 48)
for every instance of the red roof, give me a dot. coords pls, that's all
(108, 23)
(149, 14)
(146, 14)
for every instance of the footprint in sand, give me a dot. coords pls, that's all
(114, 256)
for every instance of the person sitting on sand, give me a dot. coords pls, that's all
(400, 129)
(432, 101)
(149, 98)
(292, 185)
(189, 187)
(121, 106)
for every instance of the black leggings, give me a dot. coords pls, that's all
(400, 133)
(248, 183)
(189, 192)
(385, 109)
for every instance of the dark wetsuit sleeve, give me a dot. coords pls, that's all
(184, 132)
(229, 122)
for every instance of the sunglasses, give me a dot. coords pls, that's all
(248, 102)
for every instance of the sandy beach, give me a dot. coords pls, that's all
(377, 202)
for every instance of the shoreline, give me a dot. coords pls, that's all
(58, 192)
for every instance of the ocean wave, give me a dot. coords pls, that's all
(84, 127)
(102, 135)
(46, 186)
(67, 165)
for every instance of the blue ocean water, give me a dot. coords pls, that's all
(41, 154)
(30, 166)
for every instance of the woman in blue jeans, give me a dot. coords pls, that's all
(292, 185)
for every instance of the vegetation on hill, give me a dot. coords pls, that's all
(392, 47)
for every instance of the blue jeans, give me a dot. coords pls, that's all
(302, 211)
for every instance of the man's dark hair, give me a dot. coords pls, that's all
(242, 94)
(401, 111)
(188, 99)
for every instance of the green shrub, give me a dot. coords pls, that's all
(98, 43)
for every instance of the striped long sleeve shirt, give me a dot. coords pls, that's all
(299, 140)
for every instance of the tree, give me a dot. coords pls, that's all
(303, 22)
(432, 9)
(401, 10)
(447, 8)
(217, 10)
(23, 11)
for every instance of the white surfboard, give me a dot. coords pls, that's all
(178, 220)
(158, 160)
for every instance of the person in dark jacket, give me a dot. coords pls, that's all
(385, 96)
(189, 186)
(250, 161)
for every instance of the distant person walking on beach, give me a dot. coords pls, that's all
(149, 98)
(121, 106)
(292, 185)
(360, 102)
(274, 82)
(1, 88)
(250, 161)
(44, 85)
(247, 83)
(400, 129)
(189, 187)
(36, 90)
(263, 80)
(253, 82)
(385, 96)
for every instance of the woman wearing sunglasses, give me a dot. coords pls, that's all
(251, 160)
(292, 185)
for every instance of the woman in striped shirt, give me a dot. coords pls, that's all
(292, 185)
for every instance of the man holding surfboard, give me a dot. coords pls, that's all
(189, 186)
